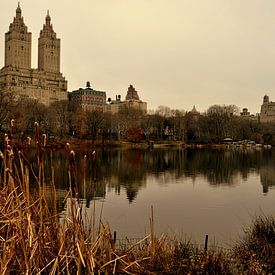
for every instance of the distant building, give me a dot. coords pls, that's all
(89, 99)
(114, 106)
(246, 115)
(131, 101)
(132, 94)
(46, 84)
(267, 110)
(194, 114)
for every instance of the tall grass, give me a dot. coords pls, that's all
(257, 248)
(35, 240)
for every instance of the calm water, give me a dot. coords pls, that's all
(193, 192)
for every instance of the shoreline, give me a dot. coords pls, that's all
(85, 144)
(124, 145)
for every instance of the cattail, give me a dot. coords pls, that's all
(68, 147)
(6, 138)
(44, 140)
(94, 160)
(85, 165)
(29, 141)
(85, 162)
(22, 138)
(72, 156)
(94, 155)
(12, 126)
(36, 132)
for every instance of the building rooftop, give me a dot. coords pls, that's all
(88, 91)
(194, 111)
(132, 94)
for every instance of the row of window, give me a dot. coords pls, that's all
(50, 47)
(25, 51)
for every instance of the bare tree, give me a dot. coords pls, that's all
(62, 113)
(221, 121)
(94, 121)
(6, 104)
(129, 118)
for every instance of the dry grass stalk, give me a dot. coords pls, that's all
(34, 239)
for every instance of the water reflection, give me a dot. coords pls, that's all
(130, 170)
(267, 172)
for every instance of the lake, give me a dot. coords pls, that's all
(193, 191)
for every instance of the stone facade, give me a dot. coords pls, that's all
(48, 49)
(267, 110)
(45, 84)
(89, 99)
(18, 43)
(132, 94)
(131, 101)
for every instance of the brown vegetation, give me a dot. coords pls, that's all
(35, 239)
(65, 120)
(256, 250)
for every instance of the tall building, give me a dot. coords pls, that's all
(18, 43)
(267, 110)
(48, 48)
(46, 84)
(89, 99)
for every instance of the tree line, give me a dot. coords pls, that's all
(66, 119)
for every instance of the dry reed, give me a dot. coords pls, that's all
(34, 239)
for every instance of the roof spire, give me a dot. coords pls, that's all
(18, 11)
(48, 19)
(194, 110)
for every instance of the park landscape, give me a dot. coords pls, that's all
(90, 184)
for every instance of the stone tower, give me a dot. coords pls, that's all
(45, 84)
(267, 110)
(132, 94)
(18, 43)
(48, 48)
(266, 99)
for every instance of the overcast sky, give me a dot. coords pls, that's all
(176, 53)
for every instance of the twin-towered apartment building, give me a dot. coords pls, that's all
(46, 83)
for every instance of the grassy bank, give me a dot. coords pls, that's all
(35, 239)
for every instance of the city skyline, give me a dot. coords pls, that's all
(176, 54)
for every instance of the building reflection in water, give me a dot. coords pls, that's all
(267, 172)
(129, 171)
